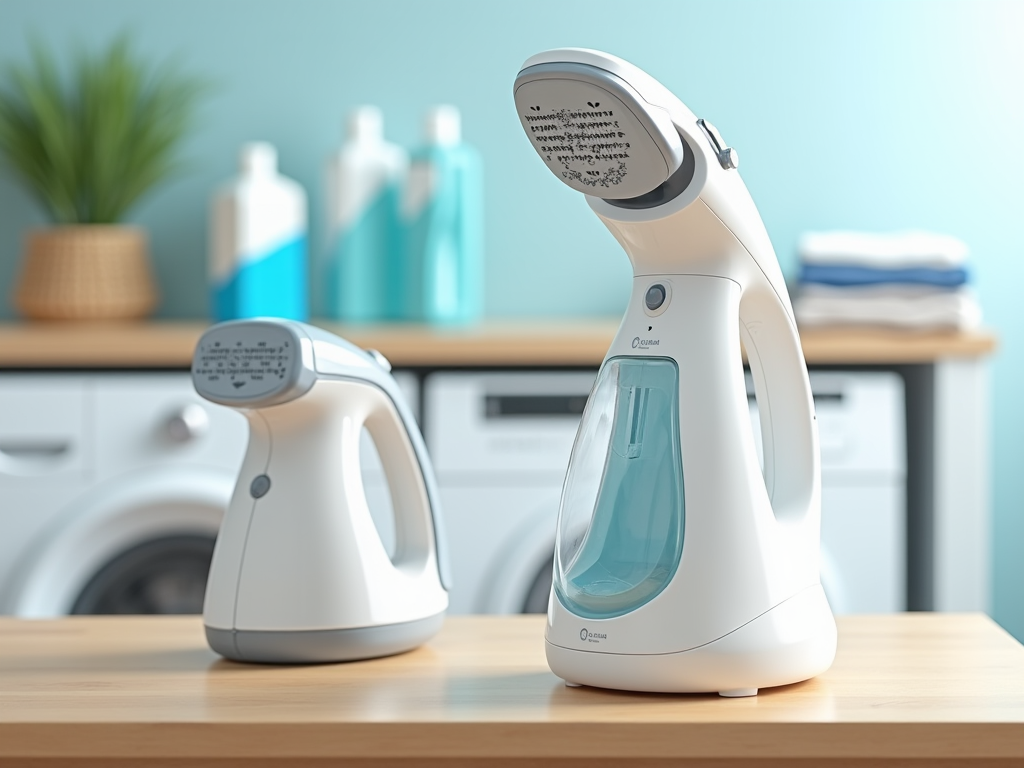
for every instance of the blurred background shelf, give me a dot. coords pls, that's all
(543, 343)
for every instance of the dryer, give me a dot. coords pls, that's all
(862, 438)
(500, 444)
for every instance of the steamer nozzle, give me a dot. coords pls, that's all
(593, 128)
(608, 129)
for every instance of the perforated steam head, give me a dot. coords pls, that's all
(595, 131)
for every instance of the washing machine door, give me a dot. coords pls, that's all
(520, 578)
(138, 544)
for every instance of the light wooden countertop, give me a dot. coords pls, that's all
(147, 690)
(520, 343)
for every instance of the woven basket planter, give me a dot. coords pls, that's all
(88, 272)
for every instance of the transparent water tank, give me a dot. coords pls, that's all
(620, 523)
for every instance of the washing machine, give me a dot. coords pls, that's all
(501, 443)
(862, 439)
(113, 486)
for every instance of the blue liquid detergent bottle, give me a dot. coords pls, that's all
(363, 188)
(258, 242)
(442, 214)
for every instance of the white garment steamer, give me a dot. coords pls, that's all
(678, 565)
(299, 572)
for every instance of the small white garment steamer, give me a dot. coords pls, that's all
(679, 566)
(299, 572)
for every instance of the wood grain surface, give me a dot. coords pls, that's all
(520, 343)
(910, 689)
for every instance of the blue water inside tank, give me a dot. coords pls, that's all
(619, 543)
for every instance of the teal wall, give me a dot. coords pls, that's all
(868, 115)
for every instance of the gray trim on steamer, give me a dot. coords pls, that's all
(317, 646)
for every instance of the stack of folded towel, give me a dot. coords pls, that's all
(912, 280)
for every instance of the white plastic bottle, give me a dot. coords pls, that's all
(258, 242)
(363, 186)
(442, 214)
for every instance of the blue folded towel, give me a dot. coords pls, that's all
(848, 275)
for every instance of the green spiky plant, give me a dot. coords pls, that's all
(90, 148)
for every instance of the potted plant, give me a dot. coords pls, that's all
(88, 150)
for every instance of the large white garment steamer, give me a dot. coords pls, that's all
(299, 572)
(679, 566)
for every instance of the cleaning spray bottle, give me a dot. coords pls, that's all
(363, 185)
(258, 242)
(442, 213)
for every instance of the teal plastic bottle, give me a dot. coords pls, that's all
(363, 186)
(442, 217)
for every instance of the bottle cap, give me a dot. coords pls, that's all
(365, 124)
(443, 126)
(258, 158)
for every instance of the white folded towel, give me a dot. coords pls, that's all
(898, 250)
(894, 306)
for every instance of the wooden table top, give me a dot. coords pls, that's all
(138, 690)
(556, 342)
